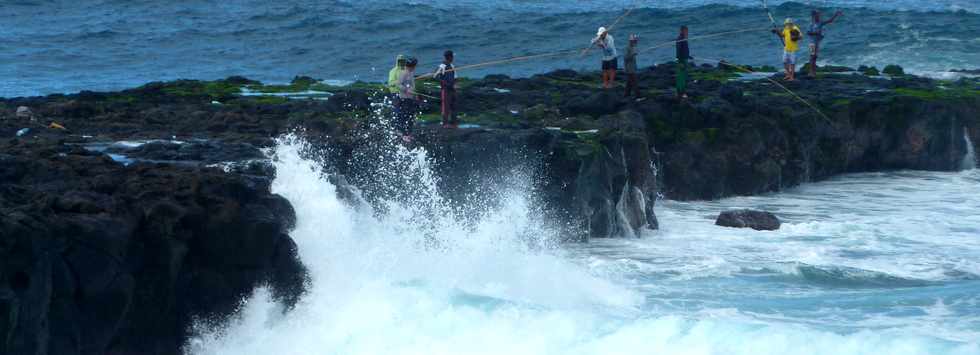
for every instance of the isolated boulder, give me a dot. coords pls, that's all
(758, 220)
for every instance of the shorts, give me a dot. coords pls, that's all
(612, 64)
(789, 58)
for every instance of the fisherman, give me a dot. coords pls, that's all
(683, 55)
(629, 62)
(610, 62)
(395, 74)
(791, 37)
(816, 36)
(407, 106)
(446, 74)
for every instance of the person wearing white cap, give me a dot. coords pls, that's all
(791, 37)
(607, 43)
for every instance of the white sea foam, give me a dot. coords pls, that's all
(398, 285)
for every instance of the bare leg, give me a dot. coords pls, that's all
(612, 78)
(813, 59)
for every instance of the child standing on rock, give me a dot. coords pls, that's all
(791, 37)
(446, 74)
(407, 105)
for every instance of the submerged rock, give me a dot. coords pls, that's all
(758, 220)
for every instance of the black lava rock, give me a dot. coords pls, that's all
(758, 220)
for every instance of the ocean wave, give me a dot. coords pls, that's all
(839, 276)
(478, 31)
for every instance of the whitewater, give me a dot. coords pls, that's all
(883, 263)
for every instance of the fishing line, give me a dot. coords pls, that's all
(750, 71)
(703, 37)
(503, 61)
(535, 56)
(610, 28)
(573, 51)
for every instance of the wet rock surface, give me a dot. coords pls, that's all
(758, 220)
(112, 247)
(101, 258)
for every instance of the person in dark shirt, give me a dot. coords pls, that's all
(816, 34)
(446, 74)
(683, 54)
(629, 62)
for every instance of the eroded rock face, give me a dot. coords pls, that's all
(97, 258)
(758, 220)
(601, 184)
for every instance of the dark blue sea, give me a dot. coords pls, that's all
(60, 46)
(865, 264)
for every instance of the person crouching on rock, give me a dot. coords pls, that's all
(629, 63)
(683, 55)
(791, 37)
(446, 74)
(407, 106)
(610, 63)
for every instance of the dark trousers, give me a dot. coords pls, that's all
(449, 106)
(405, 111)
(681, 76)
(631, 85)
(813, 58)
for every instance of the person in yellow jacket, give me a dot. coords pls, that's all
(395, 74)
(791, 37)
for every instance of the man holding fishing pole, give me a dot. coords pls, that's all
(816, 34)
(791, 37)
(610, 58)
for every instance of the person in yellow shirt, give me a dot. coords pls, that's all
(395, 74)
(791, 37)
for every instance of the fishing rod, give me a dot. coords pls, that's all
(536, 56)
(703, 37)
(503, 61)
(795, 95)
(610, 28)
(772, 20)
(573, 51)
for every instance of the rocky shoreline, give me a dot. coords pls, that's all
(153, 206)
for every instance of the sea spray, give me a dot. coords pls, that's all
(970, 159)
(391, 284)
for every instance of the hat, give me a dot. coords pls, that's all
(400, 58)
(601, 31)
(789, 21)
(634, 38)
(411, 62)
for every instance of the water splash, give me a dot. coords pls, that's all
(399, 284)
(970, 159)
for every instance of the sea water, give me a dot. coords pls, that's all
(59, 46)
(883, 263)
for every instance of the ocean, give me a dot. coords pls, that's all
(877, 263)
(61, 46)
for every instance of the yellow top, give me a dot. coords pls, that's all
(791, 45)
